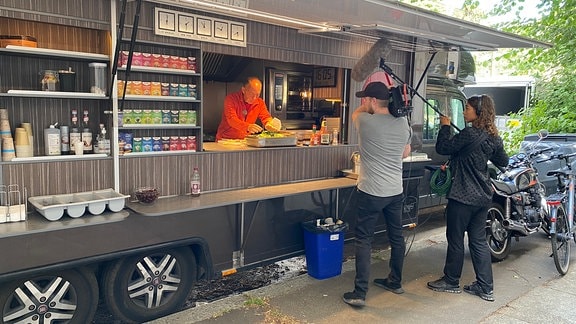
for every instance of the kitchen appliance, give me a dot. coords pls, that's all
(289, 98)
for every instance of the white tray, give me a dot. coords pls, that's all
(75, 204)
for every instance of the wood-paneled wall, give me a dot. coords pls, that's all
(236, 169)
(50, 178)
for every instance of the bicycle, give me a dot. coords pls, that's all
(562, 223)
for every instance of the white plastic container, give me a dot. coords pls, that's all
(76, 204)
(98, 78)
(52, 140)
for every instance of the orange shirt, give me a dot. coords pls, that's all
(238, 114)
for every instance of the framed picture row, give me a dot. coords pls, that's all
(190, 26)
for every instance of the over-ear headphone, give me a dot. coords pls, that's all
(478, 107)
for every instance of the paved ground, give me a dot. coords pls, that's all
(527, 290)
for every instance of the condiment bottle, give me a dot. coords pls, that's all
(102, 143)
(86, 134)
(314, 138)
(75, 135)
(335, 137)
(64, 140)
(195, 183)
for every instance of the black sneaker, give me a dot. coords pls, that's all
(475, 289)
(384, 283)
(353, 299)
(442, 286)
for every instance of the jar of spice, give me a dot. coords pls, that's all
(49, 80)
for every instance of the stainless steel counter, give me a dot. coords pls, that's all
(179, 204)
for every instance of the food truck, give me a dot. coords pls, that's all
(106, 102)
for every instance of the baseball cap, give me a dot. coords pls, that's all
(376, 90)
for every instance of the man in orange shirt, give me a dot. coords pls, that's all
(242, 109)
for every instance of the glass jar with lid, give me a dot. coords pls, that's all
(49, 80)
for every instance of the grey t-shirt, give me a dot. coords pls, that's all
(382, 139)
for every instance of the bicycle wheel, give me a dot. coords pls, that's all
(561, 242)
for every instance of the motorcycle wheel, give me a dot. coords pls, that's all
(498, 238)
(560, 240)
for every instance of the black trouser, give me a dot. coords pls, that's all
(369, 210)
(462, 218)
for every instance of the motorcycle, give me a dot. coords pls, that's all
(519, 202)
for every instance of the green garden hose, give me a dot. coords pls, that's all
(440, 181)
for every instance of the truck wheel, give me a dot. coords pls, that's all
(144, 287)
(70, 296)
(497, 236)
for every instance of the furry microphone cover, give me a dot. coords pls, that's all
(369, 62)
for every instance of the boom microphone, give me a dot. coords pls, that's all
(369, 62)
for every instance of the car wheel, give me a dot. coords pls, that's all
(69, 296)
(144, 287)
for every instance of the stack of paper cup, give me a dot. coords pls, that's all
(22, 143)
(28, 128)
(8, 152)
(4, 124)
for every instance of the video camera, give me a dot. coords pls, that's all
(400, 104)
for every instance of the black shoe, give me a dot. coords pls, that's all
(354, 299)
(475, 289)
(384, 283)
(442, 286)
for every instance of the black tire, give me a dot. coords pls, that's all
(560, 240)
(70, 296)
(144, 287)
(498, 238)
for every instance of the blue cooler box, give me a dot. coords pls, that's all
(324, 248)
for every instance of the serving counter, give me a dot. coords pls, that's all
(183, 204)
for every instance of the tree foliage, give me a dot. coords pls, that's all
(553, 107)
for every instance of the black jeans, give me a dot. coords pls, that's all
(462, 218)
(369, 210)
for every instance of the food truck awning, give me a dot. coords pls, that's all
(408, 28)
